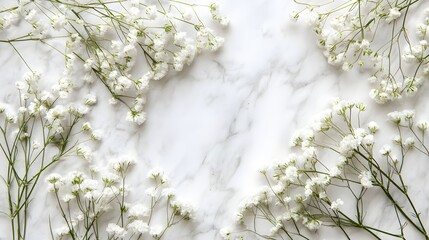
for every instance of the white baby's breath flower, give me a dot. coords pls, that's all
(122, 164)
(152, 192)
(58, 21)
(107, 177)
(365, 179)
(395, 117)
(308, 192)
(423, 125)
(336, 204)
(422, 30)
(138, 211)
(85, 152)
(168, 192)
(22, 110)
(183, 208)
(11, 117)
(62, 231)
(136, 117)
(312, 224)
(89, 185)
(54, 181)
(368, 140)
(372, 79)
(386, 149)
(393, 15)
(274, 230)
(364, 44)
(335, 171)
(31, 16)
(408, 114)
(291, 174)
(86, 127)
(138, 226)
(116, 231)
(313, 19)
(82, 110)
(349, 145)
(97, 135)
(409, 142)
(323, 195)
(238, 217)
(397, 139)
(224, 21)
(68, 197)
(20, 85)
(347, 66)
(373, 127)
(36, 144)
(90, 99)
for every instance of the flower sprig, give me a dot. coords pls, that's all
(39, 129)
(96, 207)
(374, 35)
(331, 178)
(124, 44)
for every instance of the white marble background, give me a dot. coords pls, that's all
(214, 125)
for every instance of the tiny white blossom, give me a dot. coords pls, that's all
(365, 179)
(138, 211)
(136, 117)
(386, 150)
(68, 197)
(393, 15)
(20, 85)
(116, 231)
(291, 174)
(90, 99)
(85, 152)
(336, 204)
(409, 142)
(373, 127)
(58, 22)
(312, 224)
(138, 226)
(408, 114)
(395, 117)
(168, 192)
(152, 192)
(62, 231)
(86, 126)
(368, 140)
(335, 171)
(183, 208)
(54, 181)
(97, 135)
(155, 173)
(423, 125)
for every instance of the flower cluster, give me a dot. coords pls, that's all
(353, 33)
(108, 39)
(123, 45)
(96, 204)
(40, 129)
(334, 167)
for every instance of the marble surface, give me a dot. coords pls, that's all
(214, 125)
